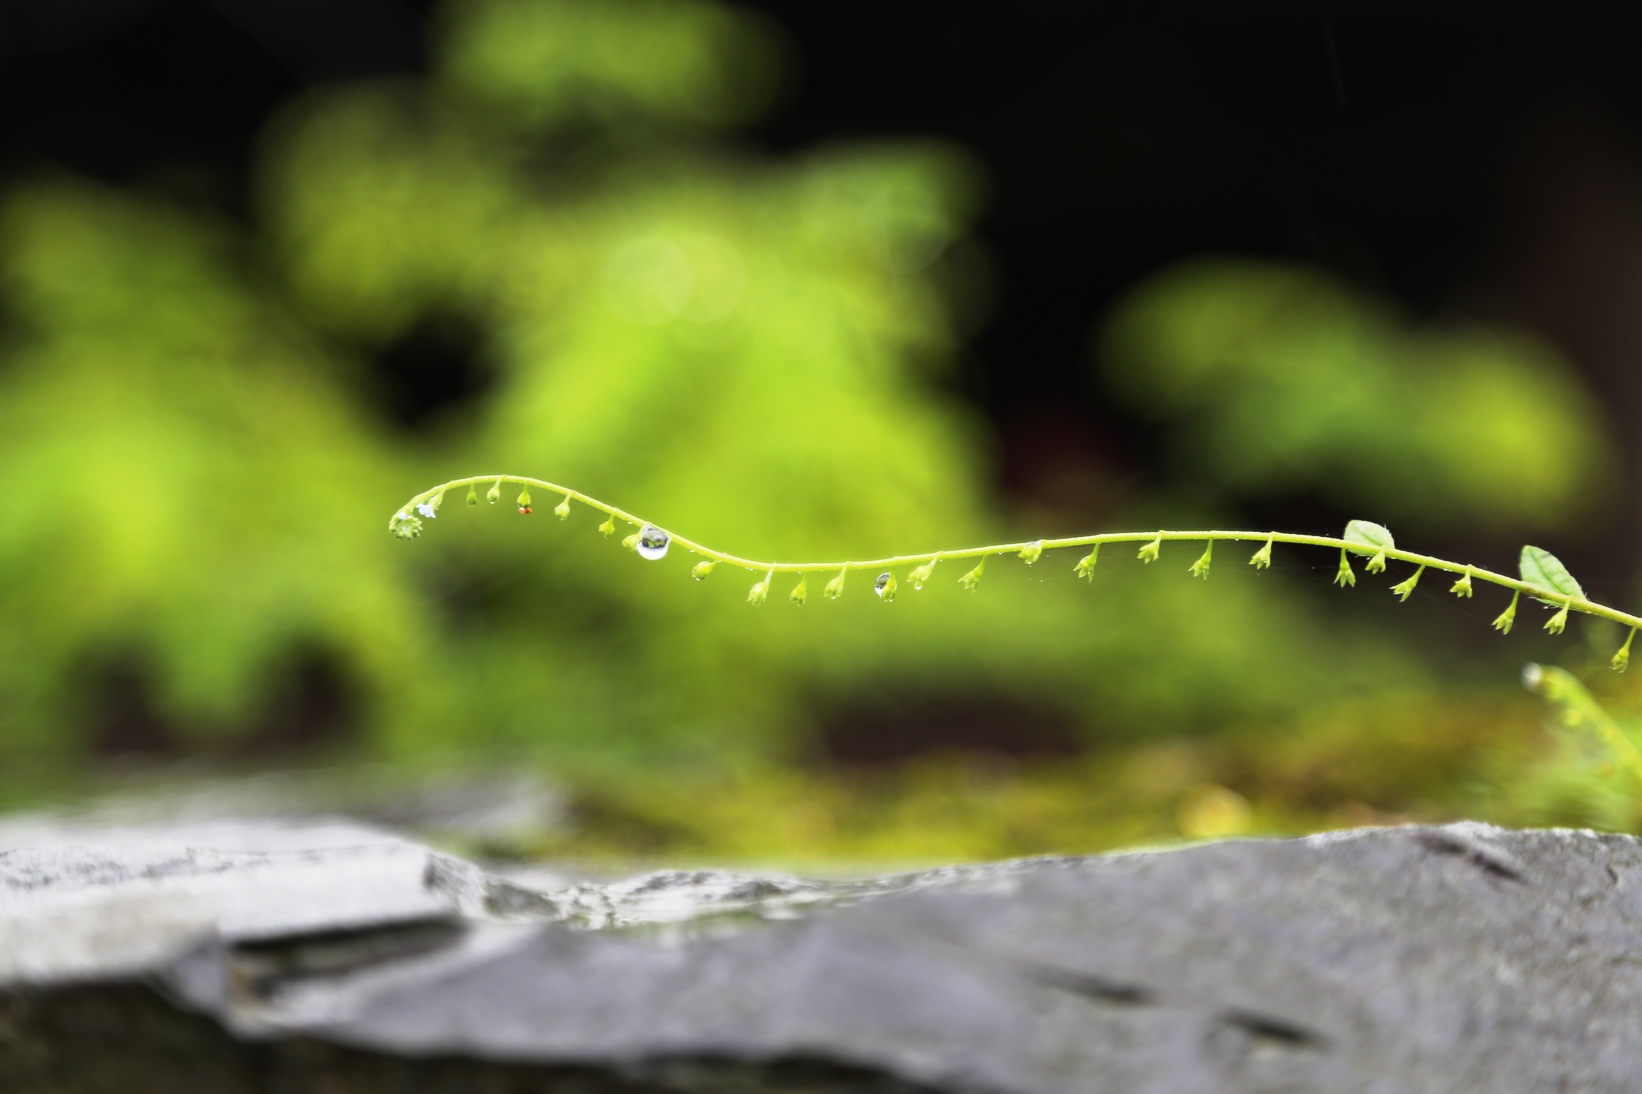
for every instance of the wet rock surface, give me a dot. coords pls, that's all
(273, 957)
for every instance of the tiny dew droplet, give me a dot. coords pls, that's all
(885, 586)
(494, 494)
(524, 500)
(473, 495)
(652, 542)
(562, 510)
(702, 569)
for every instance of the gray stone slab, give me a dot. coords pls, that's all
(1460, 958)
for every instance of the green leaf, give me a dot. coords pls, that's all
(1368, 538)
(1541, 567)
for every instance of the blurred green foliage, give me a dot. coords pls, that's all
(753, 352)
(1278, 379)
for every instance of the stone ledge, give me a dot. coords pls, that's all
(1456, 958)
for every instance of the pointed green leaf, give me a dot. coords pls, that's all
(1541, 567)
(1368, 538)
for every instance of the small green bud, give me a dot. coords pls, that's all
(524, 500)
(1623, 657)
(973, 577)
(608, 528)
(701, 569)
(835, 587)
(1557, 622)
(885, 586)
(405, 526)
(1200, 568)
(494, 494)
(1262, 557)
(1462, 587)
(473, 494)
(801, 591)
(1509, 615)
(1405, 589)
(1148, 551)
(761, 591)
(921, 574)
(1345, 576)
(1376, 565)
(631, 542)
(562, 510)
(1086, 565)
(1032, 552)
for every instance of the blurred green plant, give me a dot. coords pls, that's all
(1594, 773)
(161, 430)
(756, 347)
(1275, 378)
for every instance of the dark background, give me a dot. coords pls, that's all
(1459, 159)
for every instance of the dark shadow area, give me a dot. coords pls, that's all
(884, 730)
(310, 709)
(125, 1038)
(431, 370)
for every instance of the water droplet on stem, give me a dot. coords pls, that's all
(885, 586)
(652, 543)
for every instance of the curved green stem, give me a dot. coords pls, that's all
(1577, 603)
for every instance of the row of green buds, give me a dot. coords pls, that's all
(835, 588)
(1345, 575)
(1261, 560)
(1405, 589)
(1623, 657)
(1558, 622)
(1200, 568)
(404, 525)
(1544, 575)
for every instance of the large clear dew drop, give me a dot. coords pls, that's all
(881, 585)
(653, 542)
